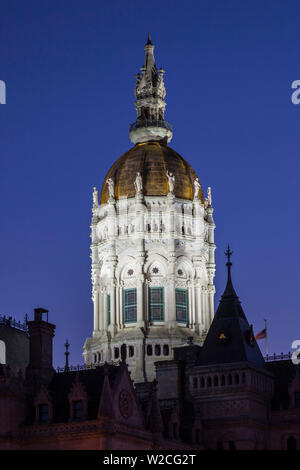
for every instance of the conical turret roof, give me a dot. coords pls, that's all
(230, 337)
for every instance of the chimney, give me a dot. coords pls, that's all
(40, 369)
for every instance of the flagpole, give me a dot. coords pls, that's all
(267, 349)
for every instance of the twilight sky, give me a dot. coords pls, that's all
(69, 68)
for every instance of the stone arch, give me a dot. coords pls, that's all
(156, 261)
(2, 352)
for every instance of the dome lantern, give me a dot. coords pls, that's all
(150, 102)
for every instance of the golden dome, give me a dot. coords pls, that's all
(152, 160)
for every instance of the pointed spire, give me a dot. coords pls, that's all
(149, 43)
(67, 345)
(106, 402)
(229, 290)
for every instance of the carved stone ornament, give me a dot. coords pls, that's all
(125, 404)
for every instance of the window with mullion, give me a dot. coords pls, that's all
(156, 304)
(181, 305)
(129, 305)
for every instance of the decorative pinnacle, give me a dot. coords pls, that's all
(149, 43)
(228, 253)
(67, 345)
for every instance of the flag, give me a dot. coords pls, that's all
(262, 334)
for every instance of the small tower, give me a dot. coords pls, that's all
(230, 382)
(41, 333)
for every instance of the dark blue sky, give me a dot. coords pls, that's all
(69, 68)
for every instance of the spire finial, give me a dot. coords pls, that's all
(67, 345)
(149, 43)
(228, 253)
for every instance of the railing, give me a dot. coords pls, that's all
(9, 321)
(150, 123)
(85, 366)
(278, 357)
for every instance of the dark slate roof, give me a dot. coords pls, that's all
(284, 372)
(230, 337)
(91, 379)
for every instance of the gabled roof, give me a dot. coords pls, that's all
(230, 337)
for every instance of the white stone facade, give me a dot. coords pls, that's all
(145, 242)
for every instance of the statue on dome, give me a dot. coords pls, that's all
(95, 198)
(138, 183)
(171, 181)
(197, 187)
(209, 195)
(111, 188)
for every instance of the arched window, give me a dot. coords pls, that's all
(149, 350)
(243, 378)
(223, 380)
(156, 304)
(157, 350)
(202, 382)
(216, 381)
(2, 352)
(291, 443)
(181, 296)
(117, 353)
(131, 351)
(166, 349)
(175, 430)
(229, 379)
(231, 445)
(237, 379)
(43, 413)
(209, 381)
(77, 409)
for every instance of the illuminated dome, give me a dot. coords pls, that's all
(152, 160)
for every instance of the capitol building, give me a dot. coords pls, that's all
(152, 249)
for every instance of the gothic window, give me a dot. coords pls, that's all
(231, 445)
(108, 308)
(157, 350)
(129, 305)
(43, 413)
(166, 349)
(297, 399)
(131, 351)
(2, 352)
(156, 304)
(117, 353)
(77, 409)
(181, 305)
(149, 350)
(175, 430)
(291, 443)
